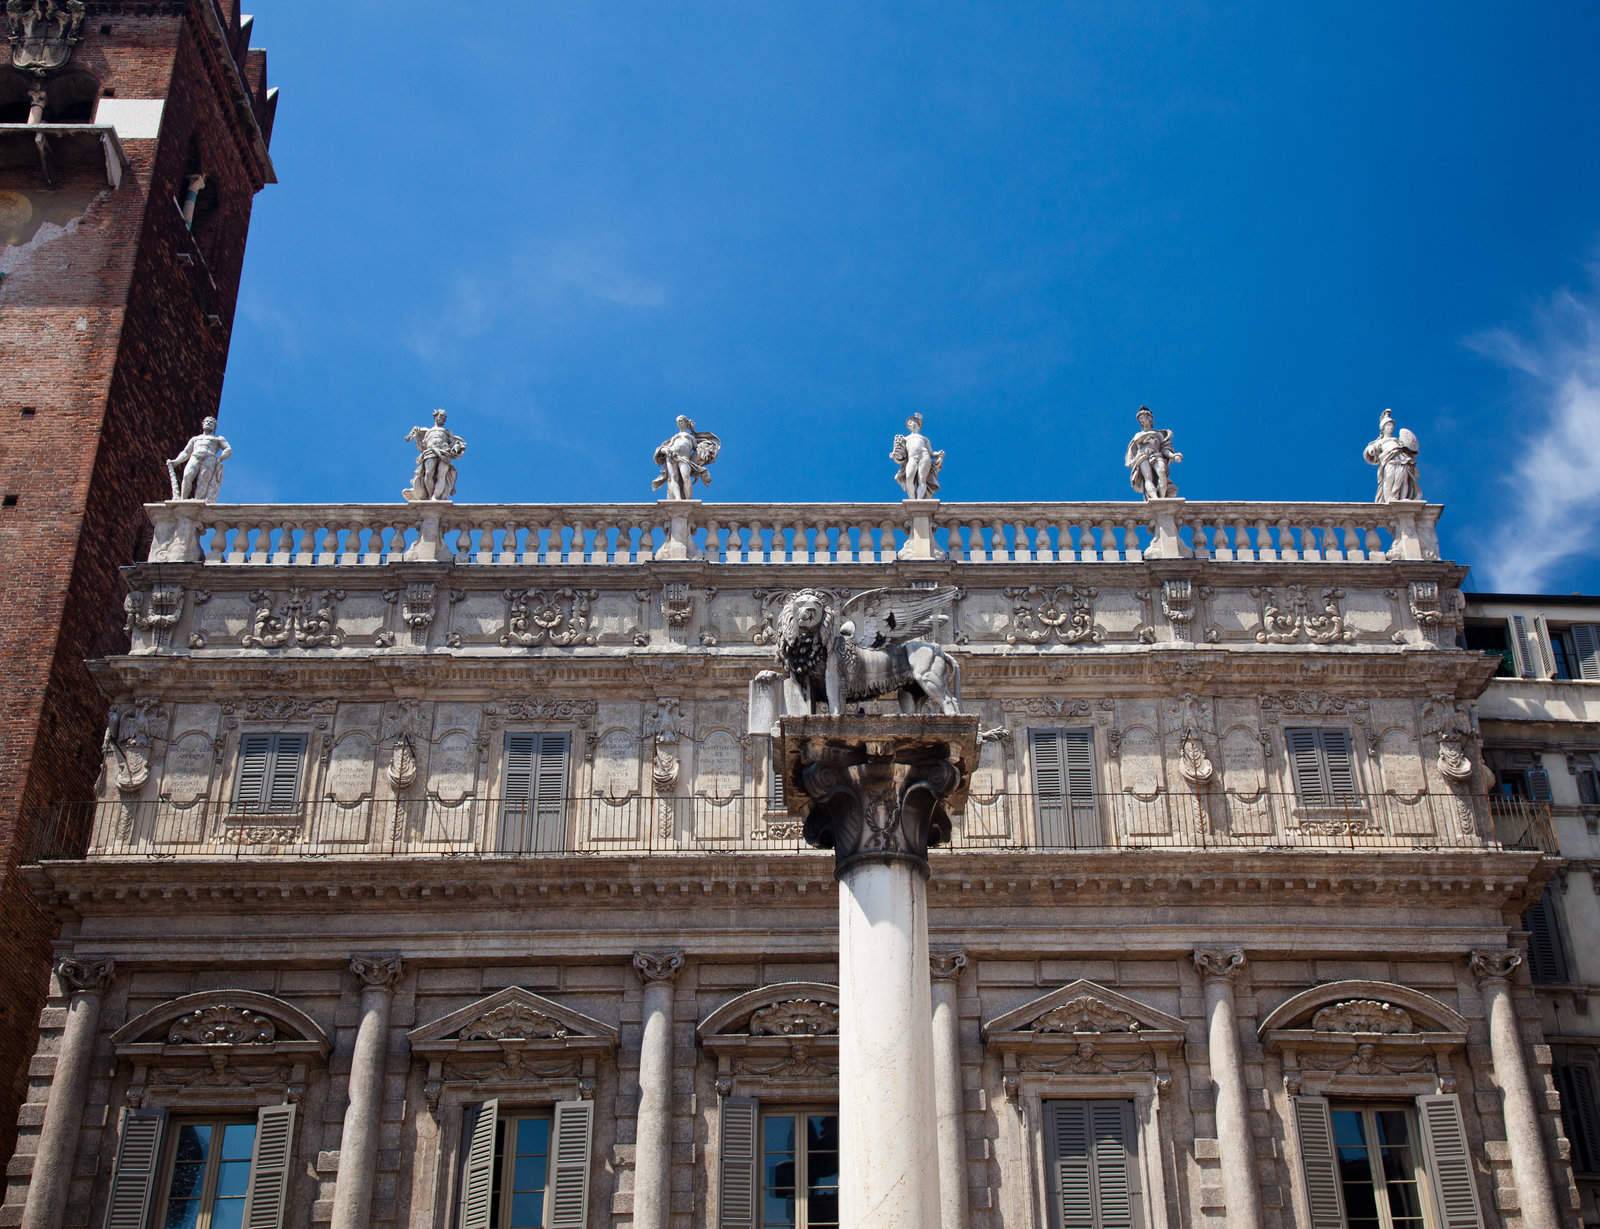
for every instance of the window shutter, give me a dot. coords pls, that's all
(1544, 639)
(283, 786)
(518, 770)
(255, 759)
(737, 1201)
(1073, 1164)
(1539, 784)
(1314, 1128)
(1449, 1163)
(1580, 1111)
(550, 786)
(1588, 787)
(268, 1195)
(1341, 766)
(134, 1177)
(1586, 640)
(1305, 765)
(477, 1165)
(1547, 955)
(1527, 661)
(1049, 786)
(1112, 1174)
(1077, 761)
(569, 1165)
(777, 799)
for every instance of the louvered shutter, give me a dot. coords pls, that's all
(569, 1165)
(1113, 1175)
(1314, 1129)
(1306, 765)
(1527, 659)
(1544, 639)
(1449, 1163)
(133, 1179)
(1073, 1165)
(777, 798)
(550, 792)
(1341, 766)
(1586, 642)
(1538, 784)
(1547, 954)
(1077, 760)
(1049, 786)
(255, 762)
(477, 1164)
(283, 783)
(1582, 1105)
(736, 1202)
(270, 1159)
(516, 791)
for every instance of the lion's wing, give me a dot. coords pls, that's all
(887, 616)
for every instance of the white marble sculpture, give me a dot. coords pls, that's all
(1149, 459)
(684, 459)
(919, 464)
(1396, 459)
(437, 450)
(196, 472)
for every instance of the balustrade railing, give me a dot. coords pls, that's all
(635, 826)
(631, 534)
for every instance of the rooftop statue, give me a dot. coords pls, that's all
(919, 464)
(1149, 459)
(437, 450)
(684, 458)
(196, 472)
(1396, 459)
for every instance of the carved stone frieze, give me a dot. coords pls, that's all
(1089, 1058)
(1295, 618)
(1309, 703)
(417, 611)
(581, 712)
(299, 620)
(677, 604)
(1063, 614)
(558, 617)
(514, 1020)
(1086, 1014)
(222, 1024)
(156, 610)
(1178, 605)
(795, 1017)
(1363, 1016)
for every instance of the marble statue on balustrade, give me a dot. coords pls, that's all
(831, 654)
(919, 464)
(438, 448)
(685, 459)
(1396, 459)
(196, 472)
(1150, 458)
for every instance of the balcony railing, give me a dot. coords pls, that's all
(306, 535)
(684, 826)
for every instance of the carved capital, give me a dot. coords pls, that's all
(1494, 964)
(84, 976)
(1218, 962)
(946, 963)
(657, 966)
(377, 972)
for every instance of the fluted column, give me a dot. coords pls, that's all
(358, 1143)
(51, 1181)
(652, 1153)
(1218, 966)
(947, 963)
(1530, 1167)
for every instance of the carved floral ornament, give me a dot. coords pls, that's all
(222, 1024)
(1063, 614)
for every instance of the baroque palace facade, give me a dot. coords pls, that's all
(440, 874)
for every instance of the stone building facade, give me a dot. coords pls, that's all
(439, 875)
(117, 295)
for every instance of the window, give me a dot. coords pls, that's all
(1580, 1112)
(1586, 772)
(1380, 1175)
(1321, 763)
(1092, 1178)
(777, 799)
(533, 797)
(1576, 648)
(208, 1175)
(1547, 949)
(1492, 637)
(269, 773)
(1063, 787)
(525, 1169)
(521, 1172)
(799, 1171)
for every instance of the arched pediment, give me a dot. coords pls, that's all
(1082, 1007)
(222, 1018)
(513, 1015)
(1363, 1008)
(783, 1009)
(776, 1040)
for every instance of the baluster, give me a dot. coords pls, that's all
(1110, 550)
(1287, 550)
(1374, 544)
(1266, 551)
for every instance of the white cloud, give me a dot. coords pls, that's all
(1554, 481)
(595, 269)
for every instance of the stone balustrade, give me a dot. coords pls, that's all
(633, 534)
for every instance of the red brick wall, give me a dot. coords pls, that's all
(118, 344)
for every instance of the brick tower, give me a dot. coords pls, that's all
(133, 139)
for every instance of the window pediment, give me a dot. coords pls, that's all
(1082, 1029)
(778, 1038)
(214, 1020)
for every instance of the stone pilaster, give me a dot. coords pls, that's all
(652, 1154)
(84, 981)
(1218, 966)
(358, 1143)
(947, 964)
(1530, 1165)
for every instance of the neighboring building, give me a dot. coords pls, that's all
(1540, 719)
(133, 138)
(437, 878)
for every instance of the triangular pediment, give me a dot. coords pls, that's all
(512, 1015)
(1083, 1007)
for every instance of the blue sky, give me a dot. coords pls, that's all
(567, 223)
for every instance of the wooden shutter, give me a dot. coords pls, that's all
(283, 784)
(477, 1164)
(1527, 656)
(777, 798)
(1049, 786)
(1538, 781)
(1077, 762)
(736, 1201)
(269, 772)
(1336, 754)
(1091, 1149)
(1306, 765)
(1580, 1112)
(255, 761)
(1544, 642)
(1314, 1129)
(1113, 1175)
(1586, 642)
(550, 790)
(1547, 954)
(1063, 787)
(1073, 1165)
(133, 1179)
(569, 1165)
(268, 1195)
(1449, 1163)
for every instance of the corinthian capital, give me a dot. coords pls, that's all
(657, 966)
(946, 963)
(377, 972)
(84, 976)
(1494, 963)
(1214, 962)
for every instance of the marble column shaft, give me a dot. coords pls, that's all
(652, 1153)
(50, 1183)
(947, 1092)
(1234, 1142)
(1530, 1163)
(358, 1142)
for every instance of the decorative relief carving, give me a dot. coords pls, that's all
(677, 604)
(514, 1020)
(1309, 703)
(377, 972)
(156, 611)
(128, 741)
(1177, 604)
(84, 976)
(298, 621)
(1293, 620)
(1087, 1058)
(1494, 963)
(417, 612)
(1064, 614)
(1223, 962)
(657, 966)
(559, 617)
(43, 33)
(1194, 765)
(279, 709)
(1086, 1014)
(1363, 1016)
(581, 712)
(795, 1018)
(402, 769)
(1427, 608)
(666, 728)
(222, 1024)
(946, 963)
(1044, 706)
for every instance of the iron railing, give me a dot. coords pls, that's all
(634, 826)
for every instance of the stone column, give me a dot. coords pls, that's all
(51, 1181)
(1530, 1167)
(1217, 967)
(874, 791)
(652, 1153)
(947, 1094)
(358, 1143)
